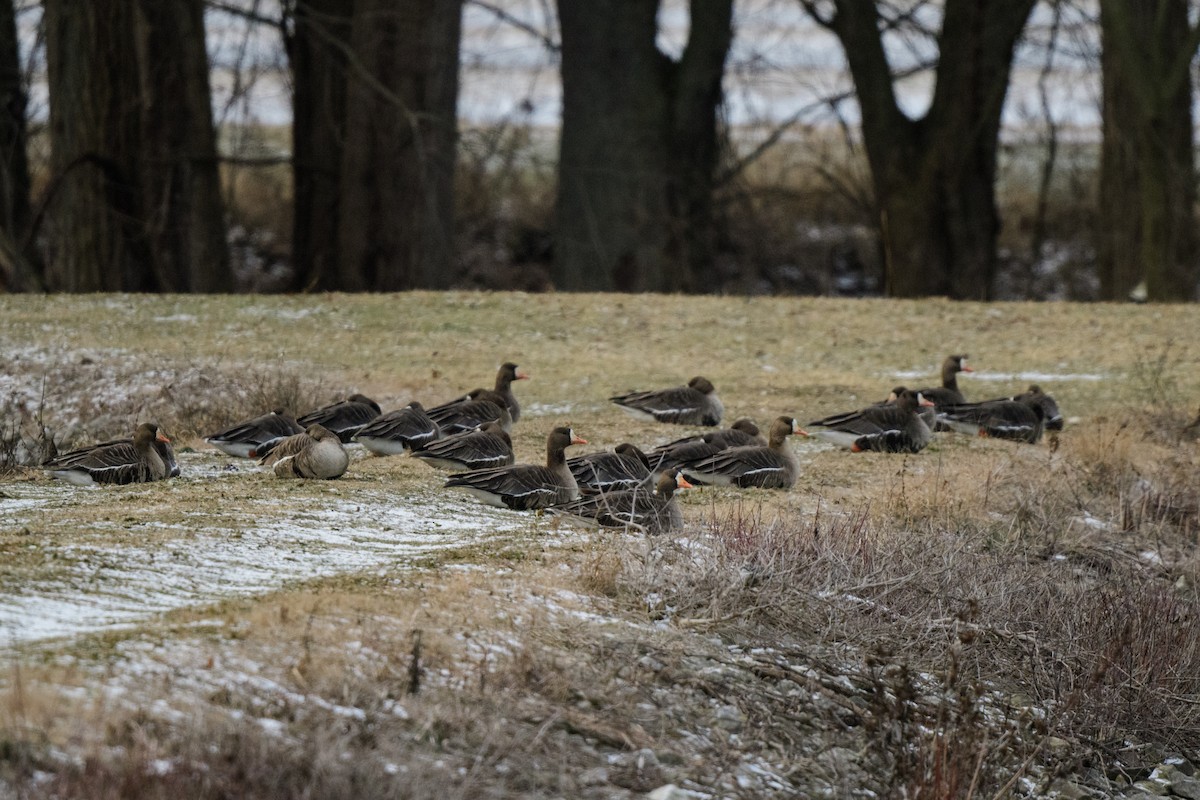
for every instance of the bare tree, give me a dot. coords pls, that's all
(638, 148)
(318, 50)
(135, 200)
(376, 87)
(933, 176)
(1147, 172)
(16, 271)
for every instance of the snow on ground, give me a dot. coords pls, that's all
(105, 587)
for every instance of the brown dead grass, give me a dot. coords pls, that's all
(894, 592)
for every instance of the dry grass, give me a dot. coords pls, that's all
(959, 619)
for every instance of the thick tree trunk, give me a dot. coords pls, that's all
(93, 79)
(1147, 172)
(318, 54)
(136, 202)
(184, 216)
(934, 178)
(397, 198)
(638, 149)
(17, 272)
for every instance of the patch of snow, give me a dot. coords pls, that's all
(1151, 557)
(1030, 376)
(120, 585)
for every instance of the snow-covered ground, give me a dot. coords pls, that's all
(206, 560)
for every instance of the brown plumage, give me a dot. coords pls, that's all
(136, 460)
(245, 438)
(694, 404)
(345, 418)
(316, 453)
(527, 486)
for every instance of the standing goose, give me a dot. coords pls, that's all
(895, 427)
(316, 453)
(242, 439)
(408, 428)
(345, 418)
(1021, 420)
(648, 510)
(527, 486)
(771, 467)
(624, 468)
(487, 447)
(694, 448)
(694, 404)
(948, 393)
(469, 412)
(136, 460)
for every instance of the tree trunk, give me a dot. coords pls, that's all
(1147, 171)
(136, 204)
(638, 148)
(318, 54)
(184, 216)
(934, 177)
(397, 199)
(16, 270)
(93, 135)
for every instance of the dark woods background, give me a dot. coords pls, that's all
(125, 180)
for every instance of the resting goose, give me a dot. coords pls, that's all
(408, 428)
(895, 427)
(1021, 420)
(771, 467)
(928, 413)
(316, 453)
(948, 393)
(487, 447)
(693, 448)
(624, 468)
(469, 412)
(244, 438)
(137, 460)
(527, 486)
(345, 418)
(504, 381)
(694, 404)
(648, 510)
(1053, 417)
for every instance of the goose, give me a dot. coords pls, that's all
(771, 467)
(1021, 420)
(645, 509)
(694, 404)
(1053, 417)
(504, 381)
(627, 466)
(895, 427)
(408, 428)
(693, 448)
(316, 453)
(486, 447)
(242, 439)
(948, 393)
(136, 460)
(526, 486)
(928, 413)
(345, 418)
(472, 410)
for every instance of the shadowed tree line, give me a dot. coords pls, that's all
(133, 200)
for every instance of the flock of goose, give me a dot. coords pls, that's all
(628, 487)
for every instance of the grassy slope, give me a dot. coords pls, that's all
(802, 357)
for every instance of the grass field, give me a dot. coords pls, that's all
(981, 619)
